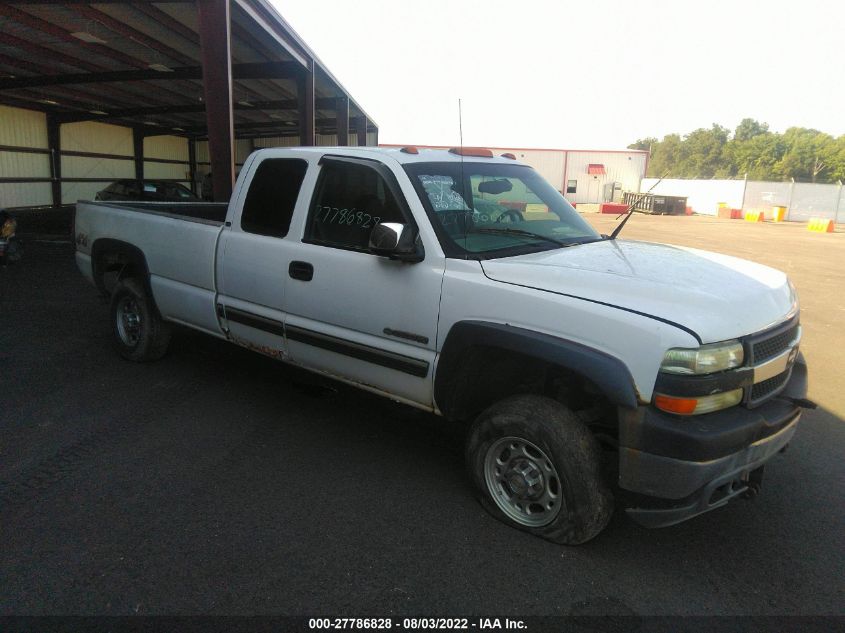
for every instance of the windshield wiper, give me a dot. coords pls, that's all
(521, 233)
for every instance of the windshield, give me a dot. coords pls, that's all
(492, 210)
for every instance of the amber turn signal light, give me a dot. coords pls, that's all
(483, 152)
(681, 406)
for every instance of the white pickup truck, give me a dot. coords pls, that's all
(464, 284)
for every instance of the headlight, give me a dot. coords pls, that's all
(706, 359)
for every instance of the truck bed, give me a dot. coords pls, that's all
(210, 212)
(178, 241)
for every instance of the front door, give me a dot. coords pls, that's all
(594, 189)
(362, 317)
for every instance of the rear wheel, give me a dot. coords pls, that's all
(139, 331)
(536, 467)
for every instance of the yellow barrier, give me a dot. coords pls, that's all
(820, 225)
(778, 214)
(754, 216)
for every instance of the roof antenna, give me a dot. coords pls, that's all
(463, 180)
(630, 210)
(461, 126)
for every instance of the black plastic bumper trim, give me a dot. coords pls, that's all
(709, 485)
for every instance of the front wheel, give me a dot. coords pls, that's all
(140, 333)
(536, 467)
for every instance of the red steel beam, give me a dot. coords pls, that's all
(361, 125)
(54, 145)
(342, 109)
(166, 21)
(305, 98)
(215, 46)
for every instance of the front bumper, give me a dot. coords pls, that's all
(678, 468)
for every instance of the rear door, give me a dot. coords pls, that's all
(365, 318)
(253, 255)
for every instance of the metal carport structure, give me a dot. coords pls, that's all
(206, 70)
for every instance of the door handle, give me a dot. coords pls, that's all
(301, 270)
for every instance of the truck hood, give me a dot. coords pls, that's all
(716, 296)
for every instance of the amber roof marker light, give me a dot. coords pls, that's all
(481, 152)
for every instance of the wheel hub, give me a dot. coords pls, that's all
(523, 481)
(129, 321)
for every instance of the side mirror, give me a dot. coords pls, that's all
(396, 241)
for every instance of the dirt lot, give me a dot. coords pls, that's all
(217, 481)
(814, 261)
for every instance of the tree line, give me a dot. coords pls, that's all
(803, 154)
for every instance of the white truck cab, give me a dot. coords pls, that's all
(464, 284)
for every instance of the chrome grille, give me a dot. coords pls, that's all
(765, 348)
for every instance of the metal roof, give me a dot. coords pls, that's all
(132, 63)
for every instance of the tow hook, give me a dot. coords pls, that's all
(803, 403)
(754, 483)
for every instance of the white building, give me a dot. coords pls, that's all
(582, 175)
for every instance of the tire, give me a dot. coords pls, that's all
(140, 334)
(536, 467)
(13, 253)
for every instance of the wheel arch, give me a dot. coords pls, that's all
(474, 348)
(128, 260)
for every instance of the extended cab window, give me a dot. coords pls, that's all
(349, 201)
(272, 196)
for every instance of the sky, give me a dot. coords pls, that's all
(585, 75)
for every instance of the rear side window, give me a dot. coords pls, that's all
(272, 196)
(350, 200)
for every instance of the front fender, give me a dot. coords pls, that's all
(610, 375)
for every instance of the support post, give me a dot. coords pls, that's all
(55, 147)
(789, 204)
(192, 164)
(361, 125)
(138, 153)
(305, 101)
(838, 203)
(342, 109)
(215, 46)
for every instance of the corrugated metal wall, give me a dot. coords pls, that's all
(99, 138)
(627, 168)
(548, 163)
(167, 148)
(27, 129)
(23, 128)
